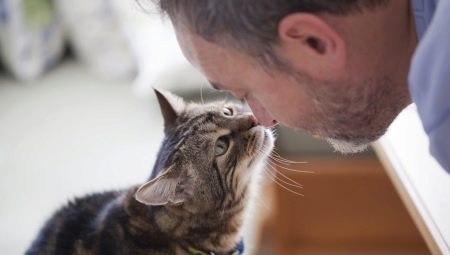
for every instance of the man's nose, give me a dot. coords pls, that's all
(263, 117)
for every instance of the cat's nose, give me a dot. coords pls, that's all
(248, 121)
(253, 121)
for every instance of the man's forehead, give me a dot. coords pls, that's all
(209, 58)
(186, 41)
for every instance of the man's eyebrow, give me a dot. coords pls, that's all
(216, 85)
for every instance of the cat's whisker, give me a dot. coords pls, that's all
(295, 170)
(288, 162)
(282, 159)
(286, 177)
(282, 186)
(275, 173)
(274, 132)
(273, 166)
(279, 160)
(278, 123)
(277, 155)
(281, 164)
(290, 169)
(295, 184)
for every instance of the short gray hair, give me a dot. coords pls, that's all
(251, 26)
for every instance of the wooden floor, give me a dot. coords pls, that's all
(349, 207)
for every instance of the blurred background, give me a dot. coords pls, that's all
(77, 115)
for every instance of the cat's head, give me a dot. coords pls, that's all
(209, 156)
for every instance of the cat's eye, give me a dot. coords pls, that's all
(221, 146)
(227, 111)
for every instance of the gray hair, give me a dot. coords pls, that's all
(251, 26)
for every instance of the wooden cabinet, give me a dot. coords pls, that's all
(349, 207)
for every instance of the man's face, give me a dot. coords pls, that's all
(349, 112)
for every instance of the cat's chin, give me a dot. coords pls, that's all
(268, 141)
(264, 142)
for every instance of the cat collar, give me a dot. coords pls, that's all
(238, 250)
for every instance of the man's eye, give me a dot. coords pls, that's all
(227, 111)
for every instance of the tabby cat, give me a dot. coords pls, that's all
(194, 202)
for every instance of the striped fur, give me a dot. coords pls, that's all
(193, 197)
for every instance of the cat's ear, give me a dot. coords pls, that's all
(171, 107)
(162, 190)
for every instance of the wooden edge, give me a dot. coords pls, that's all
(410, 198)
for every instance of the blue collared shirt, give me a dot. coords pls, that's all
(429, 76)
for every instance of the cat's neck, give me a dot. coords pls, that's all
(216, 230)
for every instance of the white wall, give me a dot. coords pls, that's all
(64, 136)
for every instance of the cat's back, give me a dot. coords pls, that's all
(71, 223)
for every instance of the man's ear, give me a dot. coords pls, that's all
(310, 44)
(171, 107)
(164, 189)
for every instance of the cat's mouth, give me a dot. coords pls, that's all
(262, 142)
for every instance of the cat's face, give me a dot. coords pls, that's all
(210, 155)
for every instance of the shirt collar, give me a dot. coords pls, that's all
(423, 13)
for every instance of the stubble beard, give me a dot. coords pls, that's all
(351, 117)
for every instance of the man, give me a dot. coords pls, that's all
(336, 69)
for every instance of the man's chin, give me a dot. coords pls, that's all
(347, 147)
